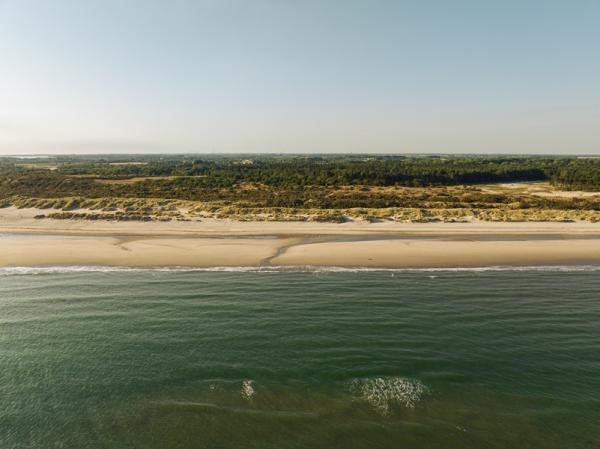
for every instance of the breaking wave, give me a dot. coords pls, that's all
(248, 389)
(384, 392)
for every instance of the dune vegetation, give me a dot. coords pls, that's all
(324, 188)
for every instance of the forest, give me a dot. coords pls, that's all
(172, 176)
(246, 183)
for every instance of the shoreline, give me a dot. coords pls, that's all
(60, 269)
(27, 242)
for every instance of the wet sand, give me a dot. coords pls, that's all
(22, 250)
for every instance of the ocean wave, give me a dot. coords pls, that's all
(66, 269)
(384, 392)
(240, 410)
(248, 389)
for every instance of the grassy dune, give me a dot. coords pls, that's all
(295, 188)
(446, 204)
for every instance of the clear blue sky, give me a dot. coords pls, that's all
(299, 76)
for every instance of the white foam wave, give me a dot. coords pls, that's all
(11, 271)
(248, 389)
(64, 269)
(383, 392)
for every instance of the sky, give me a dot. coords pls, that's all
(222, 76)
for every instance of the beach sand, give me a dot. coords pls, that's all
(25, 241)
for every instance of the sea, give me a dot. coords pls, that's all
(300, 357)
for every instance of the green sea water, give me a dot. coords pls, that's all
(93, 358)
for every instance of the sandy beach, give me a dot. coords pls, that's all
(25, 241)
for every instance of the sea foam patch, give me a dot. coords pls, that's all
(384, 392)
(248, 389)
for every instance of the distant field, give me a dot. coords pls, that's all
(39, 166)
(542, 189)
(137, 179)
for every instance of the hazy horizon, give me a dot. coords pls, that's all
(243, 77)
(25, 155)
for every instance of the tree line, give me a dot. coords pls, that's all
(288, 181)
